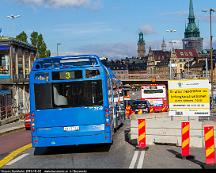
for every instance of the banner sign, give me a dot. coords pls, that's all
(189, 98)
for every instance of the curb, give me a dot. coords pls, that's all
(12, 155)
(10, 130)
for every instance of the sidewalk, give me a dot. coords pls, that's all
(11, 126)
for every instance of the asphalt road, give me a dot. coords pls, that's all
(13, 140)
(120, 155)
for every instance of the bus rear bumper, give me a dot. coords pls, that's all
(102, 138)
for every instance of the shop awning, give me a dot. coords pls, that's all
(4, 47)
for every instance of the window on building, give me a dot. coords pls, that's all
(4, 64)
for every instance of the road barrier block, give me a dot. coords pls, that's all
(209, 144)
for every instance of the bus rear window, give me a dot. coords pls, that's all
(153, 91)
(43, 96)
(68, 94)
(77, 94)
(92, 73)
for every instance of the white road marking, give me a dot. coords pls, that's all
(141, 159)
(133, 161)
(17, 159)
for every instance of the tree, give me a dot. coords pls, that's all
(48, 53)
(38, 41)
(22, 37)
(34, 38)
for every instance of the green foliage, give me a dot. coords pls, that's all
(38, 41)
(34, 38)
(48, 52)
(22, 37)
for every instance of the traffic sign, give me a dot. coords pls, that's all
(189, 97)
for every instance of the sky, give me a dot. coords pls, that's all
(104, 27)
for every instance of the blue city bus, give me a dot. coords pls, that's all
(71, 101)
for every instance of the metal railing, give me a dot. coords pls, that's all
(177, 76)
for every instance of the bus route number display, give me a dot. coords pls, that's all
(67, 75)
(189, 98)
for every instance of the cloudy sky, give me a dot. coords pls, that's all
(104, 27)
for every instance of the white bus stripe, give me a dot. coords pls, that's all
(133, 161)
(141, 159)
(17, 159)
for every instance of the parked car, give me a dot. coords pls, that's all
(143, 105)
(27, 121)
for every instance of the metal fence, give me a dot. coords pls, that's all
(8, 109)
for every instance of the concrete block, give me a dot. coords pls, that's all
(149, 139)
(196, 142)
(196, 133)
(162, 124)
(165, 139)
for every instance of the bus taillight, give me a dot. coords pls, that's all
(107, 124)
(106, 110)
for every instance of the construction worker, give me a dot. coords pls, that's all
(128, 110)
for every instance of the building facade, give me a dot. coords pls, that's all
(16, 59)
(182, 60)
(155, 59)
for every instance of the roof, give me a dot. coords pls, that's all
(186, 53)
(141, 66)
(13, 41)
(160, 55)
(115, 66)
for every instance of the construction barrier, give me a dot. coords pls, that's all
(140, 111)
(141, 133)
(151, 110)
(185, 139)
(209, 144)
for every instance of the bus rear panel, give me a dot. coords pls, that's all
(156, 94)
(69, 106)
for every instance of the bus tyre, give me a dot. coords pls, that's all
(126, 132)
(115, 130)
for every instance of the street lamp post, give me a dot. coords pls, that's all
(58, 44)
(211, 58)
(172, 42)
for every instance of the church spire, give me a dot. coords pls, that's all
(163, 45)
(141, 46)
(141, 39)
(191, 13)
(192, 37)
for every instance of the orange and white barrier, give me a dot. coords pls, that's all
(185, 139)
(140, 111)
(209, 145)
(141, 133)
(151, 110)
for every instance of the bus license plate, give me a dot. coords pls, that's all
(73, 128)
